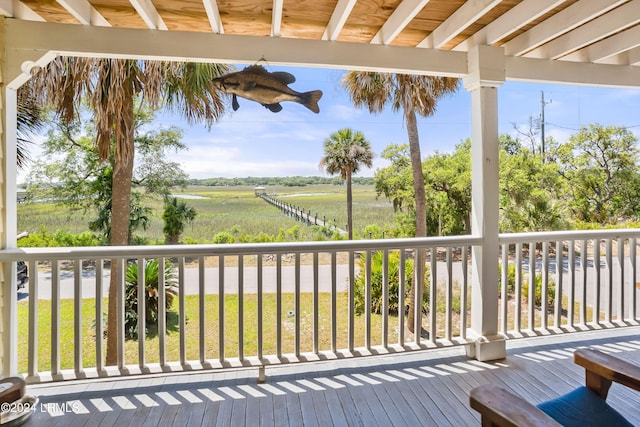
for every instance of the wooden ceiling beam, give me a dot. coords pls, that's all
(571, 73)
(276, 18)
(149, 14)
(633, 56)
(608, 47)
(211, 7)
(510, 22)
(128, 43)
(591, 32)
(84, 12)
(628, 57)
(338, 18)
(462, 18)
(398, 20)
(563, 22)
(17, 9)
(26, 38)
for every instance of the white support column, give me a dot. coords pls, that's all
(8, 289)
(8, 214)
(486, 74)
(15, 67)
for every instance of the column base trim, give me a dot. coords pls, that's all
(484, 348)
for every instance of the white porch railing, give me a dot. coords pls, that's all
(585, 280)
(262, 304)
(300, 295)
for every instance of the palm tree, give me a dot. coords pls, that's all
(176, 214)
(112, 88)
(344, 152)
(413, 95)
(29, 120)
(152, 275)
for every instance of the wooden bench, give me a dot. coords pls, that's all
(499, 407)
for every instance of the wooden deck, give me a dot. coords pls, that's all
(427, 388)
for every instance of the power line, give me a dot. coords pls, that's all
(578, 129)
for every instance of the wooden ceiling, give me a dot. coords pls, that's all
(594, 31)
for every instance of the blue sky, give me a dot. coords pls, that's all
(253, 141)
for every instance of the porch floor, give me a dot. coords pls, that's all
(423, 388)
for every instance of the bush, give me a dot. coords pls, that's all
(511, 283)
(551, 291)
(393, 267)
(511, 278)
(43, 239)
(223, 237)
(151, 275)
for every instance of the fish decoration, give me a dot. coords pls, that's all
(267, 88)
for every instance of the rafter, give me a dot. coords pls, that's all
(84, 12)
(399, 19)
(17, 9)
(608, 47)
(560, 23)
(276, 18)
(149, 14)
(211, 7)
(597, 29)
(338, 18)
(633, 56)
(466, 15)
(510, 22)
(628, 57)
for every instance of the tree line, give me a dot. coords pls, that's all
(286, 181)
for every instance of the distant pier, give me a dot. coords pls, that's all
(299, 214)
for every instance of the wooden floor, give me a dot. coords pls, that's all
(428, 388)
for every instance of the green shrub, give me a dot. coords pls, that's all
(223, 237)
(262, 238)
(151, 275)
(43, 239)
(551, 290)
(511, 283)
(372, 231)
(511, 278)
(393, 267)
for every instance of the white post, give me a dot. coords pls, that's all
(486, 74)
(15, 68)
(8, 289)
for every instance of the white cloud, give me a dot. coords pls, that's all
(230, 162)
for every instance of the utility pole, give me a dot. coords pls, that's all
(543, 104)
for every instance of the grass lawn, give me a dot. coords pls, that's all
(231, 338)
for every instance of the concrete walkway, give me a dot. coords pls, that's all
(211, 281)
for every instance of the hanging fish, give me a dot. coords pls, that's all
(269, 89)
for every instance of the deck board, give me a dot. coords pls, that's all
(280, 414)
(422, 388)
(362, 398)
(334, 405)
(349, 408)
(294, 411)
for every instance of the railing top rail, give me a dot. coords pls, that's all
(551, 236)
(108, 252)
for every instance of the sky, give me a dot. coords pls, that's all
(253, 141)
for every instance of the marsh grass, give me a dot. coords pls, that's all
(235, 210)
